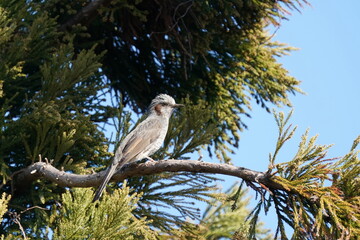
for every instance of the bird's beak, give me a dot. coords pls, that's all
(178, 105)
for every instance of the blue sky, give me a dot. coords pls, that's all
(327, 63)
(327, 34)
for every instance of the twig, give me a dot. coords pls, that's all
(33, 207)
(176, 20)
(15, 217)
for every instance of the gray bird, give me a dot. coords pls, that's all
(144, 140)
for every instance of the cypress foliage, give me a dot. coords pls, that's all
(79, 218)
(62, 64)
(320, 198)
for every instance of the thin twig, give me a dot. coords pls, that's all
(33, 207)
(176, 20)
(15, 217)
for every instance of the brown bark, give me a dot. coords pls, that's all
(42, 170)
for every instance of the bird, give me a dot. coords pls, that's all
(144, 140)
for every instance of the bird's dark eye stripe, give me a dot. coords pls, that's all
(164, 104)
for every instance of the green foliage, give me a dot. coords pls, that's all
(221, 220)
(29, 42)
(190, 129)
(227, 218)
(254, 75)
(4, 200)
(215, 57)
(168, 199)
(50, 105)
(320, 196)
(212, 51)
(68, 87)
(6, 29)
(111, 218)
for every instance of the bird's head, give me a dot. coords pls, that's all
(163, 105)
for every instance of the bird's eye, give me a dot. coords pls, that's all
(164, 104)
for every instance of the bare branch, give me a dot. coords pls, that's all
(15, 217)
(47, 171)
(33, 207)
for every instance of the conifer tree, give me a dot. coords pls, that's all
(69, 70)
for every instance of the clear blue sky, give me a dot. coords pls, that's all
(328, 64)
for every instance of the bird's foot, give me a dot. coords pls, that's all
(150, 160)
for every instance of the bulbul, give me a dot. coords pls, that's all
(144, 140)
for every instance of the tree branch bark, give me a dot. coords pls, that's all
(42, 170)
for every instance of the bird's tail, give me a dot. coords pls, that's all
(110, 172)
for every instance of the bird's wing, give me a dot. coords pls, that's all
(140, 142)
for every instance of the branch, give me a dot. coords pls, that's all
(47, 171)
(86, 13)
